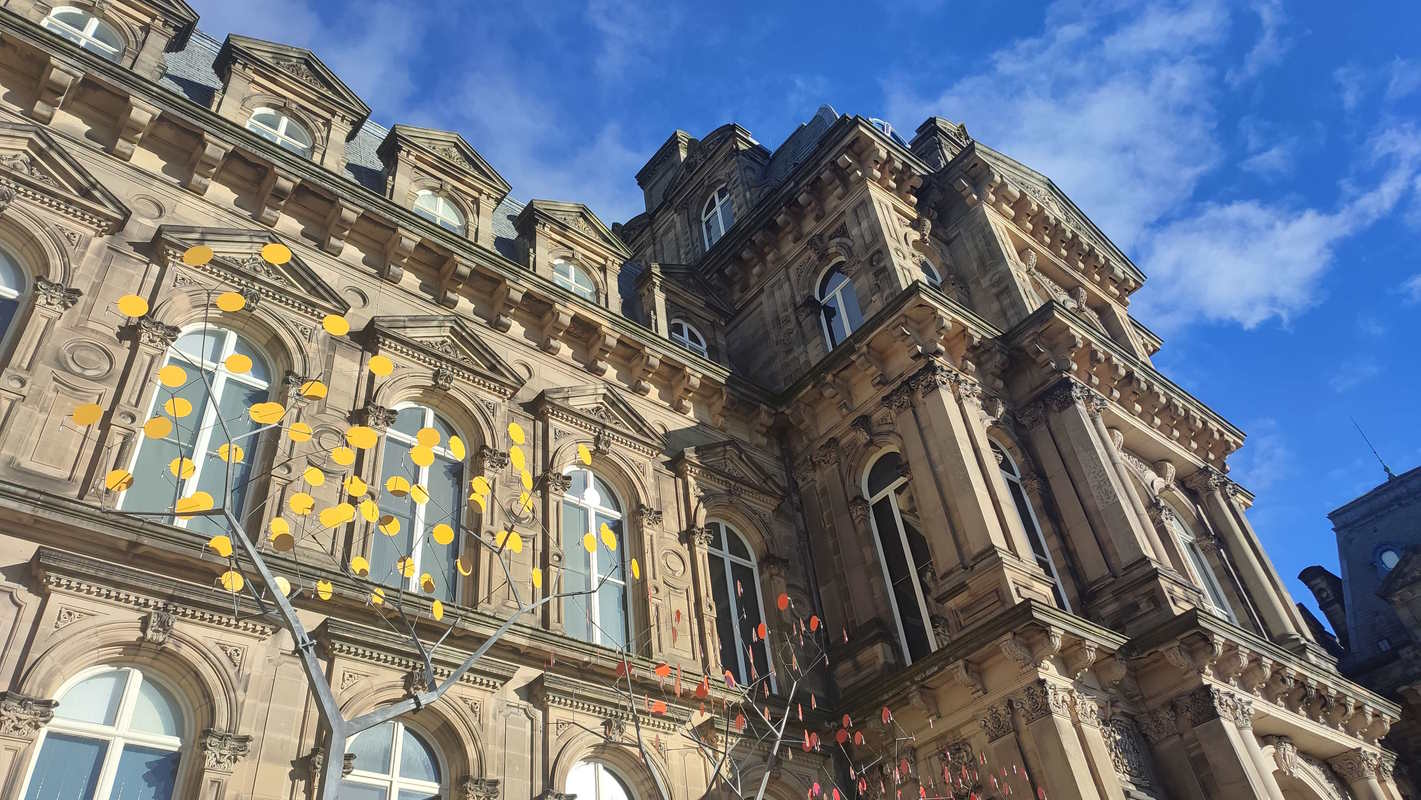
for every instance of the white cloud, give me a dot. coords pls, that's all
(1266, 458)
(1352, 374)
(1411, 289)
(1351, 83)
(1270, 47)
(1404, 79)
(629, 32)
(1274, 161)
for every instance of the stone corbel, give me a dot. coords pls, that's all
(492, 461)
(601, 344)
(275, 191)
(968, 676)
(22, 717)
(553, 324)
(158, 627)
(55, 295)
(132, 123)
(718, 399)
(453, 274)
(504, 301)
(205, 160)
(479, 789)
(339, 220)
(221, 750)
(54, 84)
(1080, 658)
(648, 518)
(683, 386)
(643, 366)
(1285, 753)
(398, 249)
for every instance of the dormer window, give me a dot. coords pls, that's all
(575, 279)
(86, 30)
(440, 210)
(280, 129)
(686, 335)
(717, 216)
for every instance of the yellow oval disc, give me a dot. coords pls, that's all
(589, 542)
(282, 585)
(381, 365)
(369, 510)
(268, 413)
(360, 566)
(515, 433)
(390, 525)
(157, 427)
(584, 455)
(361, 437)
(436, 610)
(87, 414)
(419, 494)
(276, 253)
(426, 582)
(515, 457)
(172, 376)
(131, 305)
(118, 480)
(442, 534)
(343, 456)
(421, 455)
(182, 467)
(231, 452)
(231, 302)
(177, 407)
(609, 539)
(233, 581)
(238, 363)
(404, 565)
(465, 566)
(337, 515)
(323, 589)
(355, 487)
(526, 478)
(301, 504)
(428, 437)
(397, 486)
(283, 542)
(478, 500)
(515, 542)
(525, 502)
(335, 325)
(537, 578)
(377, 596)
(456, 447)
(636, 569)
(479, 485)
(314, 476)
(198, 501)
(221, 545)
(278, 526)
(197, 255)
(314, 390)
(299, 432)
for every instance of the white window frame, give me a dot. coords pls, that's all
(890, 493)
(278, 135)
(600, 773)
(208, 423)
(117, 735)
(725, 555)
(688, 337)
(718, 214)
(392, 783)
(86, 37)
(1195, 561)
(1011, 473)
(930, 273)
(444, 211)
(418, 534)
(12, 293)
(834, 297)
(591, 601)
(565, 272)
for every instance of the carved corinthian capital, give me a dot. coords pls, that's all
(1070, 392)
(479, 789)
(1207, 479)
(55, 295)
(996, 722)
(22, 717)
(221, 750)
(1357, 765)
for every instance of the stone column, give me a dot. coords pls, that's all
(1210, 485)
(1076, 527)
(1004, 748)
(1162, 728)
(1216, 716)
(21, 720)
(969, 398)
(1104, 762)
(949, 552)
(1058, 757)
(1361, 769)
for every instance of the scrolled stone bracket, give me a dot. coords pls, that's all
(221, 750)
(23, 717)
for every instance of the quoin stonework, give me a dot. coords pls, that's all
(895, 380)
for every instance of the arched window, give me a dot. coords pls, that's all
(417, 451)
(589, 780)
(392, 762)
(716, 216)
(115, 735)
(1199, 569)
(575, 279)
(735, 583)
(599, 617)
(686, 335)
(281, 129)
(839, 307)
(930, 273)
(12, 287)
(902, 552)
(1012, 475)
(440, 210)
(205, 403)
(86, 30)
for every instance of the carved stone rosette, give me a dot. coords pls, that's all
(23, 717)
(221, 750)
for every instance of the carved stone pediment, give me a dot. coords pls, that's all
(296, 67)
(448, 343)
(454, 154)
(237, 262)
(35, 168)
(602, 411)
(573, 218)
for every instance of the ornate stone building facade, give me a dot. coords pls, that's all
(895, 381)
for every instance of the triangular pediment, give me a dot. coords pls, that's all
(444, 339)
(597, 405)
(730, 459)
(448, 146)
(33, 165)
(237, 261)
(577, 218)
(294, 63)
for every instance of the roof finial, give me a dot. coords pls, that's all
(1389, 474)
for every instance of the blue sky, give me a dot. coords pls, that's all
(1259, 160)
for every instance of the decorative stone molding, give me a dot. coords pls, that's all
(1042, 698)
(1032, 415)
(376, 416)
(443, 377)
(1208, 479)
(479, 789)
(221, 750)
(1357, 764)
(859, 509)
(416, 681)
(1211, 702)
(558, 484)
(1160, 724)
(901, 398)
(774, 566)
(614, 728)
(158, 626)
(700, 537)
(1285, 753)
(7, 196)
(55, 295)
(23, 717)
(492, 461)
(1069, 392)
(1087, 708)
(149, 331)
(996, 722)
(649, 516)
(1128, 753)
(316, 762)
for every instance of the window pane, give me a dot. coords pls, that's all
(610, 563)
(901, 579)
(409, 420)
(737, 545)
(372, 749)
(95, 699)
(582, 781)
(155, 711)
(417, 761)
(717, 538)
(749, 606)
(232, 406)
(8, 310)
(612, 610)
(145, 774)
(386, 550)
(350, 790)
(849, 305)
(408, 794)
(67, 767)
(206, 346)
(725, 614)
(576, 609)
(606, 497)
(446, 480)
(886, 470)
